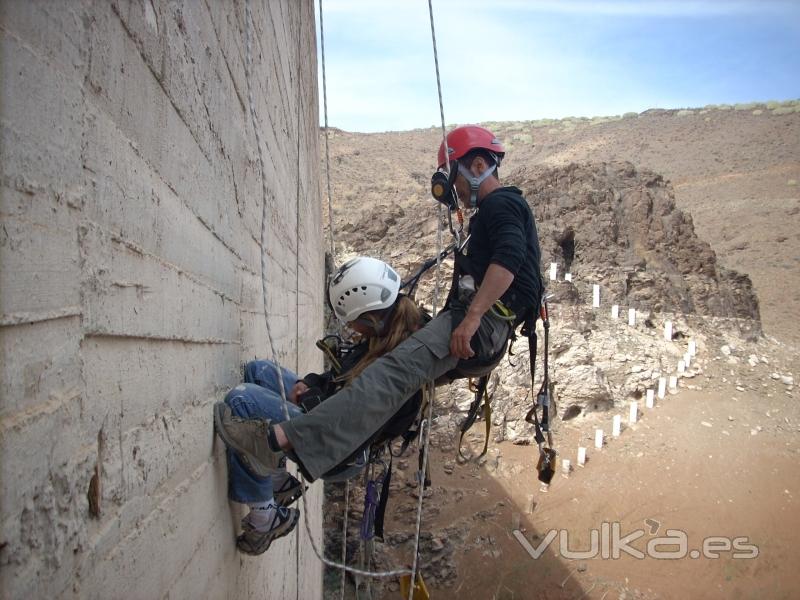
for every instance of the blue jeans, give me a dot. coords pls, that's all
(259, 397)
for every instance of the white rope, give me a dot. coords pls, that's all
(333, 258)
(425, 428)
(430, 388)
(344, 530)
(365, 559)
(264, 194)
(297, 532)
(439, 215)
(248, 70)
(327, 154)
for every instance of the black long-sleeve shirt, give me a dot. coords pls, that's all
(503, 232)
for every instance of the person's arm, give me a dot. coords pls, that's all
(494, 284)
(504, 227)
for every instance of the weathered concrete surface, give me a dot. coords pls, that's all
(130, 287)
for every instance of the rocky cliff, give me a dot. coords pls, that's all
(611, 224)
(608, 223)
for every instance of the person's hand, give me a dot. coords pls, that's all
(459, 340)
(297, 390)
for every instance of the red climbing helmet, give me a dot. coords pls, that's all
(469, 137)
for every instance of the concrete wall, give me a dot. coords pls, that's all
(130, 287)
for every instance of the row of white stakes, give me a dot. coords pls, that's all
(633, 415)
(683, 364)
(615, 307)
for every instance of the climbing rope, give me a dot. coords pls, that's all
(430, 388)
(248, 71)
(297, 532)
(439, 215)
(367, 525)
(344, 530)
(327, 153)
(425, 425)
(331, 238)
(425, 429)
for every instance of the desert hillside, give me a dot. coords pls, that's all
(686, 216)
(734, 170)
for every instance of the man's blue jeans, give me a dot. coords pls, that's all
(259, 397)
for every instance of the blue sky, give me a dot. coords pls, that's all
(531, 59)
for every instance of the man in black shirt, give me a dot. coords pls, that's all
(503, 249)
(503, 254)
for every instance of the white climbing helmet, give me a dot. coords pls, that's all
(361, 285)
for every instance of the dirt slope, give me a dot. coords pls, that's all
(735, 172)
(719, 458)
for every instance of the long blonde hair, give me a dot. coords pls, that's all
(406, 319)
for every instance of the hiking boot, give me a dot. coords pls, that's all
(290, 491)
(255, 541)
(248, 438)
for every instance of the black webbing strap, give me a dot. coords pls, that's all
(547, 453)
(529, 330)
(452, 293)
(426, 477)
(542, 398)
(410, 284)
(380, 512)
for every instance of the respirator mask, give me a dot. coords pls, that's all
(443, 186)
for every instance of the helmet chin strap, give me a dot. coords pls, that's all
(475, 182)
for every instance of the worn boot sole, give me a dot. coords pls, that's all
(266, 462)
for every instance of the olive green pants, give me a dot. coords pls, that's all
(335, 429)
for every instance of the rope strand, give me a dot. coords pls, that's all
(248, 71)
(249, 26)
(426, 427)
(262, 167)
(327, 153)
(344, 530)
(430, 388)
(439, 215)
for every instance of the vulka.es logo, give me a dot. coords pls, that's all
(609, 543)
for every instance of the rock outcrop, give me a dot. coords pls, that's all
(606, 223)
(612, 224)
